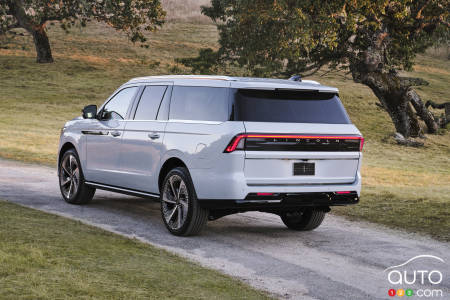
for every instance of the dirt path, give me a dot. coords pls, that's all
(340, 260)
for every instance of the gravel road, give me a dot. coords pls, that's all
(339, 260)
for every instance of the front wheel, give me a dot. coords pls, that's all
(180, 210)
(71, 180)
(303, 219)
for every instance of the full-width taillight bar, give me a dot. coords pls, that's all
(237, 143)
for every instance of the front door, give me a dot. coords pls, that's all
(104, 137)
(142, 143)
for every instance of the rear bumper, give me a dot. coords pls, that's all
(231, 186)
(282, 201)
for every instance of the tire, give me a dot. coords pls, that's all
(71, 180)
(304, 219)
(180, 210)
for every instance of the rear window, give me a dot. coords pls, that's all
(199, 103)
(288, 106)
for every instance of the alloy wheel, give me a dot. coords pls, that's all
(175, 202)
(69, 176)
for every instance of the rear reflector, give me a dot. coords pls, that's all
(264, 194)
(276, 142)
(343, 192)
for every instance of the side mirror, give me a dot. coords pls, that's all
(90, 111)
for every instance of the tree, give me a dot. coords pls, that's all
(131, 16)
(372, 39)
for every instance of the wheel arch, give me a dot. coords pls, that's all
(64, 148)
(168, 165)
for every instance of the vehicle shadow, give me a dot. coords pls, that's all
(255, 223)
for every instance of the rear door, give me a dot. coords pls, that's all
(142, 142)
(297, 138)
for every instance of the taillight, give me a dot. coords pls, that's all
(280, 142)
(237, 143)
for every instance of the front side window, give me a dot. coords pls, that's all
(199, 103)
(118, 106)
(149, 103)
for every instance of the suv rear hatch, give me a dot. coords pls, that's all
(296, 138)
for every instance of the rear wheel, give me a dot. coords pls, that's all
(71, 180)
(303, 219)
(180, 210)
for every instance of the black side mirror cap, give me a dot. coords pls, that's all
(90, 111)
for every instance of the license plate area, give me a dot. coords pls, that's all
(304, 169)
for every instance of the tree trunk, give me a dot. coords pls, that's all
(43, 50)
(422, 111)
(388, 89)
(395, 94)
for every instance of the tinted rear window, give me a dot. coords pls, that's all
(199, 103)
(288, 106)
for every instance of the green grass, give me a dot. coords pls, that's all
(43, 256)
(36, 100)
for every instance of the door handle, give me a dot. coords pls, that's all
(153, 135)
(115, 133)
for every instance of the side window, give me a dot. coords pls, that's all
(199, 103)
(149, 103)
(118, 106)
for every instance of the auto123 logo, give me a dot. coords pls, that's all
(411, 279)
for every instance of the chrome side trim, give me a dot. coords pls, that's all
(181, 121)
(298, 184)
(121, 190)
(259, 201)
(95, 132)
(196, 121)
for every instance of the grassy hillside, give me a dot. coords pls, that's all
(403, 187)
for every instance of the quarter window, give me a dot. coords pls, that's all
(149, 103)
(118, 106)
(199, 103)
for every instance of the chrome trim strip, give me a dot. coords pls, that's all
(105, 186)
(299, 184)
(95, 132)
(180, 121)
(196, 121)
(259, 201)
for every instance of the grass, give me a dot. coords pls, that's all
(402, 187)
(43, 256)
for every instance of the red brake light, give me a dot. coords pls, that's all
(361, 144)
(343, 192)
(236, 143)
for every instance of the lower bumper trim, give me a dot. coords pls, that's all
(281, 201)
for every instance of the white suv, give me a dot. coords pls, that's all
(210, 146)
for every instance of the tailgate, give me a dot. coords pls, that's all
(301, 154)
